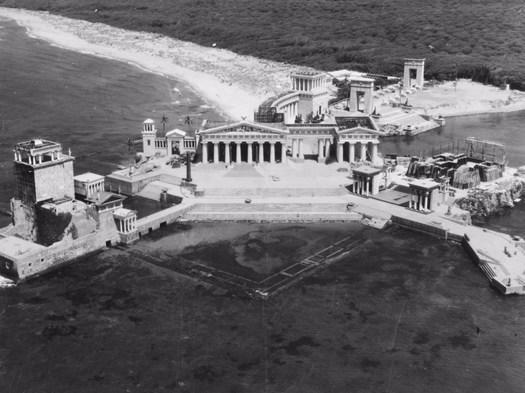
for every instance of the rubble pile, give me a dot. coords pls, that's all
(483, 202)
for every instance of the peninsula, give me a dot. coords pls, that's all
(234, 84)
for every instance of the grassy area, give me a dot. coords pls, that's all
(480, 38)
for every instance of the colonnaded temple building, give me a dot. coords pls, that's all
(295, 125)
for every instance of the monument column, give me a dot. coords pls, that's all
(320, 148)
(215, 152)
(283, 153)
(205, 152)
(301, 155)
(363, 152)
(351, 157)
(374, 152)
(272, 152)
(250, 151)
(339, 152)
(238, 152)
(294, 148)
(227, 153)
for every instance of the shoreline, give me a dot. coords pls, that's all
(232, 84)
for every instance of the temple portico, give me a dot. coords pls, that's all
(257, 151)
(257, 143)
(366, 180)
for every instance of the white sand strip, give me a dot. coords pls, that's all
(234, 84)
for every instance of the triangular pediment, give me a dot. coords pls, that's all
(243, 127)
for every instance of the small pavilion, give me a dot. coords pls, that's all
(366, 180)
(423, 195)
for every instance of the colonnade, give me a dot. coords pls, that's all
(290, 112)
(306, 84)
(420, 200)
(92, 189)
(351, 146)
(127, 224)
(362, 184)
(36, 159)
(253, 152)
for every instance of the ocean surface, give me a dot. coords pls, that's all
(403, 313)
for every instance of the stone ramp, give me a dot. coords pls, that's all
(154, 189)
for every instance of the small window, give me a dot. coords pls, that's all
(149, 142)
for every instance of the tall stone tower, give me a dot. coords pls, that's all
(42, 172)
(149, 135)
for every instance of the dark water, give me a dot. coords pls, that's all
(405, 313)
(88, 104)
(505, 128)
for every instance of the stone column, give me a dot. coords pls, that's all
(320, 148)
(327, 148)
(374, 152)
(294, 148)
(339, 152)
(283, 153)
(301, 155)
(272, 152)
(363, 151)
(250, 151)
(351, 156)
(238, 152)
(424, 202)
(227, 153)
(205, 152)
(215, 152)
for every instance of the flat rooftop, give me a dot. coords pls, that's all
(37, 144)
(88, 177)
(424, 183)
(367, 170)
(13, 247)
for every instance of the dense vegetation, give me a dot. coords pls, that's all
(475, 38)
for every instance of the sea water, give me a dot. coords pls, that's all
(405, 313)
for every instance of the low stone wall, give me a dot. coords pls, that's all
(63, 252)
(272, 216)
(156, 220)
(432, 230)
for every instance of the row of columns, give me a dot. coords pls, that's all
(307, 84)
(34, 160)
(419, 200)
(363, 185)
(250, 157)
(127, 225)
(94, 188)
(351, 153)
(290, 112)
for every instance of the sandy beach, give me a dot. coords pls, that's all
(234, 84)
